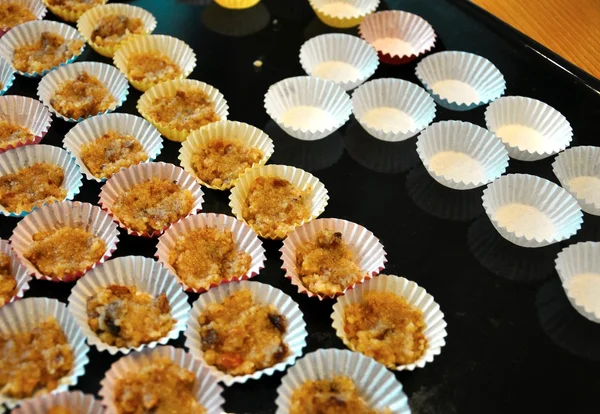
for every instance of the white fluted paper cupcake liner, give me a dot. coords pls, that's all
(244, 238)
(26, 314)
(343, 13)
(318, 197)
(343, 59)
(460, 81)
(248, 135)
(206, 387)
(148, 276)
(294, 337)
(308, 108)
(392, 109)
(13, 161)
(36, 7)
(94, 127)
(110, 76)
(74, 214)
(28, 113)
(7, 75)
(18, 271)
(378, 387)
(530, 211)
(89, 20)
(74, 401)
(578, 170)
(367, 249)
(530, 129)
(68, 14)
(461, 155)
(29, 33)
(124, 180)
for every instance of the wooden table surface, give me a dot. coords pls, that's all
(570, 28)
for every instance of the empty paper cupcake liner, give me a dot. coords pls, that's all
(343, 59)
(416, 296)
(67, 14)
(206, 387)
(530, 129)
(237, 4)
(578, 170)
(368, 251)
(148, 276)
(36, 7)
(248, 135)
(92, 128)
(7, 76)
(460, 81)
(28, 113)
(308, 108)
(343, 13)
(170, 88)
(25, 315)
(294, 337)
(73, 214)
(88, 22)
(244, 238)
(378, 387)
(318, 197)
(13, 161)
(114, 81)
(126, 179)
(530, 211)
(398, 36)
(392, 109)
(18, 271)
(74, 401)
(29, 33)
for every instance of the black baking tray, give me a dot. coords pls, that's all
(514, 343)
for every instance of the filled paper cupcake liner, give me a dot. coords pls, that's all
(94, 127)
(37, 8)
(74, 214)
(392, 109)
(308, 108)
(244, 238)
(460, 81)
(530, 129)
(581, 260)
(28, 113)
(343, 13)
(351, 60)
(578, 170)
(30, 32)
(170, 88)
(67, 15)
(26, 314)
(237, 4)
(318, 197)
(17, 270)
(399, 37)
(114, 81)
(471, 156)
(206, 387)
(416, 296)
(88, 22)
(378, 387)
(248, 135)
(7, 75)
(367, 249)
(74, 401)
(148, 276)
(124, 180)
(294, 337)
(541, 213)
(13, 161)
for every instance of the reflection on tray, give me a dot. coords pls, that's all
(590, 229)
(289, 9)
(237, 23)
(316, 27)
(564, 325)
(442, 202)
(506, 259)
(308, 155)
(195, 2)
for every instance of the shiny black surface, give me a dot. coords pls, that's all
(514, 343)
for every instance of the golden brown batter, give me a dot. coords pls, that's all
(11, 134)
(12, 13)
(114, 28)
(186, 110)
(82, 97)
(8, 284)
(49, 51)
(60, 410)
(152, 67)
(78, 6)
(32, 187)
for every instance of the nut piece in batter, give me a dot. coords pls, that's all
(385, 327)
(82, 97)
(49, 51)
(34, 362)
(11, 134)
(13, 13)
(32, 187)
(78, 6)
(158, 388)
(115, 28)
(8, 283)
(111, 152)
(186, 110)
(123, 317)
(240, 336)
(65, 251)
(152, 67)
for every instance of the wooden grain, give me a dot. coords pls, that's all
(570, 28)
